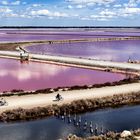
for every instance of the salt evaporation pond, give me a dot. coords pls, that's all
(126, 118)
(58, 34)
(17, 35)
(104, 50)
(32, 76)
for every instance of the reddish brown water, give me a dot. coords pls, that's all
(32, 76)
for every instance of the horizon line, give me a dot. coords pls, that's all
(69, 26)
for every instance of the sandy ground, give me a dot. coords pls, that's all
(40, 100)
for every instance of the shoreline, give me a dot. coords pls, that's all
(109, 66)
(20, 92)
(74, 107)
(21, 104)
(13, 45)
(111, 135)
(111, 70)
(75, 100)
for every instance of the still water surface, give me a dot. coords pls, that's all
(106, 50)
(32, 76)
(53, 128)
(53, 34)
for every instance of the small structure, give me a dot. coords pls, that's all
(129, 60)
(24, 56)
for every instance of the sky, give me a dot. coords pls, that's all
(69, 12)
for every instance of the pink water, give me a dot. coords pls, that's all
(32, 76)
(106, 50)
(38, 34)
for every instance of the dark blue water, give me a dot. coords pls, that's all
(54, 128)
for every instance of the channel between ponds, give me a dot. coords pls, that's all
(54, 128)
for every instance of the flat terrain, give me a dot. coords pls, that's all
(40, 100)
(30, 101)
(11, 46)
(79, 62)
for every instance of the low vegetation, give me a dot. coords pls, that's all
(79, 106)
(135, 135)
(50, 90)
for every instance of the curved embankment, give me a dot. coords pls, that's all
(78, 101)
(76, 87)
(13, 45)
(40, 100)
(78, 62)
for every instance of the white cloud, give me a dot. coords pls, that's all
(58, 14)
(103, 15)
(87, 4)
(16, 3)
(70, 6)
(132, 3)
(73, 9)
(107, 13)
(132, 10)
(36, 5)
(114, 13)
(129, 11)
(24, 3)
(117, 5)
(4, 2)
(45, 12)
(5, 10)
(80, 6)
(90, 1)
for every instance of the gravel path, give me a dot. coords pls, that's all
(30, 101)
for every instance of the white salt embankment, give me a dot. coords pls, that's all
(89, 63)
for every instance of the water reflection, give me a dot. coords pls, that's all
(14, 75)
(108, 50)
(125, 118)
